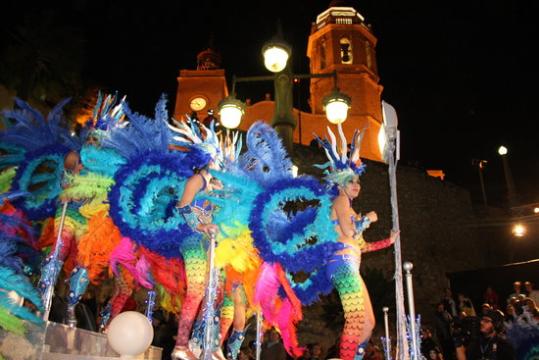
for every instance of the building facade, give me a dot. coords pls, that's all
(341, 42)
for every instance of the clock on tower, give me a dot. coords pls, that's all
(202, 89)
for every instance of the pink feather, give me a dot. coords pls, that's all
(125, 254)
(280, 313)
(142, 272)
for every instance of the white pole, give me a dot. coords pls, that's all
(210, 301)
(408, 266)
(387, 340)
(49, 292)
(401, 351)
(258, 334)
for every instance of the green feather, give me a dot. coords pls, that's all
(5, 179)
(11, 323)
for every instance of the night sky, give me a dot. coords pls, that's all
(461, 74)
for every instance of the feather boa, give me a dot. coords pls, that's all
(266, 159)
(101, 161)
(6, 177)
(142, 202)
(169, 273)
(169, 302)
(10, 155)
(296, 250)
(235, 202)
(32, 131)
(11, 323)
(236, 250)
(86, 186)
(42, 201)
(281, 312)
(11, 281)
(125, 254)
(142, 134)
(97, 244)
(310, 290)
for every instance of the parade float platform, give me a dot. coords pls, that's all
(60, 342)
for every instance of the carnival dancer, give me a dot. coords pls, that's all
(197, 213)
(51, 154)
(286, 222)
(343, 171)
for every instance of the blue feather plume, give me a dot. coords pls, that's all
(266, 159)
(32, 131)
(141, 134)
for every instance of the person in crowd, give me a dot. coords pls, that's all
(485, 307)
(532, 293)
(510, 313)
(490, 344)
(443, 325)
(465, 305)
(516, 291)
(306, 353)
(315, 350)
(373, 351)
(449, 302)
(491, 297)
(273, 348)
(428, 344)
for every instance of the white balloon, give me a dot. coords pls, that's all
(130, 333)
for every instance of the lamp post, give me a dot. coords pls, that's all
(511, 192)
(276, 54)
(389, 142)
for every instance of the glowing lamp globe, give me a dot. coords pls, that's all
(336, 106)
(502, 150)
(275, 57)
(231, 111)
(130, 334)
(519, 230)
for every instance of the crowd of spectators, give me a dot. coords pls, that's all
(463, 331)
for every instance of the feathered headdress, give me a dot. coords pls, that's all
(108, 112)
(266, 159)
(340, 166)
(206, 143)
(32, 131)
(140, 134)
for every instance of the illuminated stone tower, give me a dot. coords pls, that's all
(341, 41)
(201, 90)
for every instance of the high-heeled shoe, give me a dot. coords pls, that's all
(182, 353)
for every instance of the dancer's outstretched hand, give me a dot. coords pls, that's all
(373, 217)
(393, 236)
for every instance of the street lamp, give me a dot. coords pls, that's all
(231, 111)
(389, 144)
(336, 105)
(276, 55)
(511, 192)
(519, 230)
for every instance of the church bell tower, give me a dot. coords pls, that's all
(341, 41)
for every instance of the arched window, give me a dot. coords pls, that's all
(346, 51)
